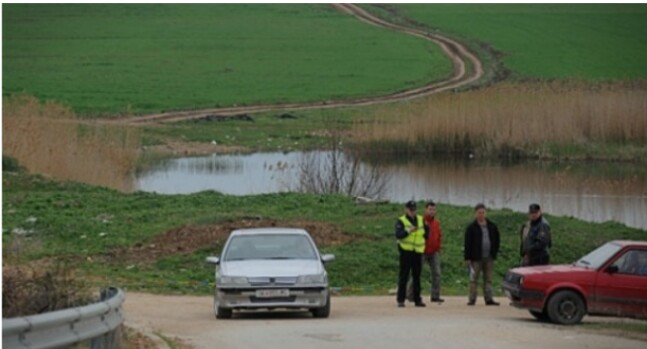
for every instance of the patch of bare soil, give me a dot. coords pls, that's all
(619, 327)
(189, 238)
(142, 338)
(133, 339)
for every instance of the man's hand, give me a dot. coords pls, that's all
(412, 229)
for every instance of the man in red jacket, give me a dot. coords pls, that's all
(432, 249)
(432, 252)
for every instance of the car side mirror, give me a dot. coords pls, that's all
(213, 260)
(612, 269)
(327, 258)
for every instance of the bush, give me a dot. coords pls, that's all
(30, 290)
(10, 164)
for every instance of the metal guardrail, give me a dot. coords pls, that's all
(97, 323)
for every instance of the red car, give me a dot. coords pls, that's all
(611, 280)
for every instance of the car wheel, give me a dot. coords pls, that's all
(324, 311)
(223, 313)
(566, 308)
(539, 315)
(220, 312)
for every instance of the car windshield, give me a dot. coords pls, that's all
(598, 256)
(269, 246)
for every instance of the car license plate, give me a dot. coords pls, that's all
(272, 293)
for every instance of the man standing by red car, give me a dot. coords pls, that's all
(535, 238)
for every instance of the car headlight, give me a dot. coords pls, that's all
(312, 279)
(521, 281)
(231, 281)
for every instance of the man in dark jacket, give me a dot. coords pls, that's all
(481, 249)
(535, 238)
(411, 232)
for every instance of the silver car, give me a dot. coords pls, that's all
(269, 268)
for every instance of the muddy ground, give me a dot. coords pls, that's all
(190, 238)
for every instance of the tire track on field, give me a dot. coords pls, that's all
(457, 52)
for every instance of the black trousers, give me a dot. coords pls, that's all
(539, 259)
(410, 261)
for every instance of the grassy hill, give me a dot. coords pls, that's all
(549, 41)
(118, 58)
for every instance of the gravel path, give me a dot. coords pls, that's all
(361, 322)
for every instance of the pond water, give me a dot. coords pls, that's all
(591, 192)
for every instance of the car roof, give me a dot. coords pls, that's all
(272, 230)
(625, 243)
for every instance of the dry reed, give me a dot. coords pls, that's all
(509, 118)
(47, 138)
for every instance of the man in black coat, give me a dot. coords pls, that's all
(535, 238)
(481, 249)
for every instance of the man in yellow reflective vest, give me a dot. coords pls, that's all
(411, 232)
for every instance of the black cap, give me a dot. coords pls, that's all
(411, 205)
(534, 208)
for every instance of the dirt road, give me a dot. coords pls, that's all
(360, 322)
(467, 69)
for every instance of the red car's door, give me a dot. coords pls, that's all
(621, 286)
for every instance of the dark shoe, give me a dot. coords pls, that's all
(400, 304)
(471, 303)
(437, 300)
(420, 304)
(491, 302)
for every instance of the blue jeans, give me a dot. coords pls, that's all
(434, 265)
(433, 260)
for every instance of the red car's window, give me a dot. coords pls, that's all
(599, 256)
(633, 262)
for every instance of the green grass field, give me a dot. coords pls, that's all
(125, 59)
(549, 41)
(85, 224)
(115, 58)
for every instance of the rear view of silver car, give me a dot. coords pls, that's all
(271, 268)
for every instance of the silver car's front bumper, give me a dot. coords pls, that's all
(246, 298)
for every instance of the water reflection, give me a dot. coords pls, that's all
(569, 191)
(230, 174)
(595, 193)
